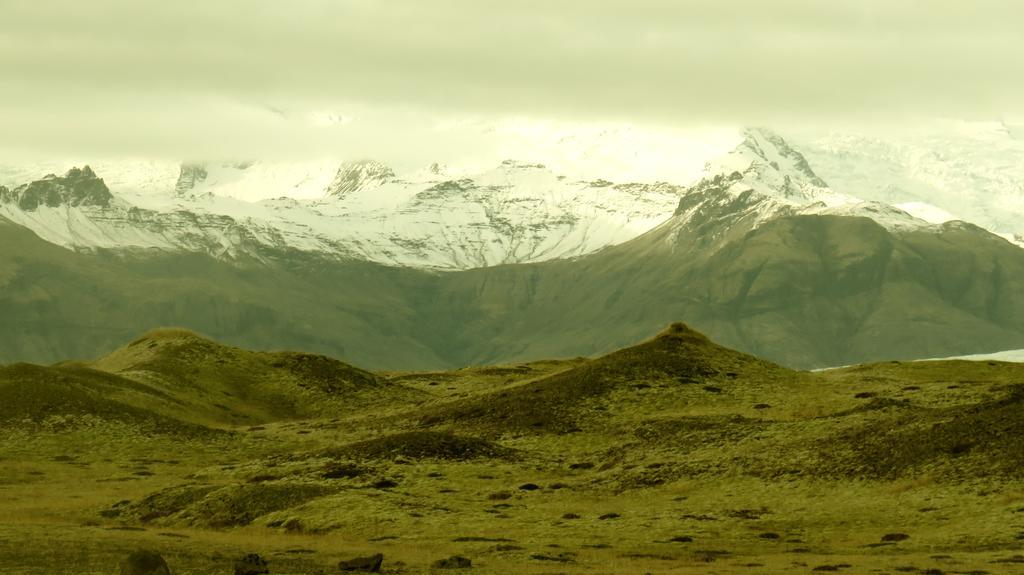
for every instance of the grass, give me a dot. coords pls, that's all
(674, 456)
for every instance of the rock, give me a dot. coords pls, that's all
(369, 564)
(894, 537)
(251, 564)
(342, 471)
(144, 562)
(79, 187)
(505, 548)
(453, 562)
(529, 487)
(560, 558)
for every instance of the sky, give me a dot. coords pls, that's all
(236, 79)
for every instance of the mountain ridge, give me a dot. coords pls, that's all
(514, 212)
(804, 290)
(756, 253)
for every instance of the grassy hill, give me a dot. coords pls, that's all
(675, 455)
(35, 397)
(673, 368)
(175, 381)
(221, 383)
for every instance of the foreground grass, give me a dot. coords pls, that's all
(707, 462)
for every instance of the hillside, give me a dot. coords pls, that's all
(805, 290)
(675, 365)
(802, 290)
(59, 304)
(669, 456)
(172, 381)
(37, 398)
(219, 383)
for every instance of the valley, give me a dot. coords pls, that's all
(506, 288)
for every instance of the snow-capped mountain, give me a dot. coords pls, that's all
(444, 219)
(759, 250)
(938, 171)
(764, 177)
(78, 210)
(512, 213)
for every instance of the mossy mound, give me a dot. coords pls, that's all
(230, 385)
(983, 439)
(677, 356)
(69, 396)
(220, 507)
(424, 445)
(324, 373)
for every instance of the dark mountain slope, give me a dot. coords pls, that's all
(57, 304)
(802, 290)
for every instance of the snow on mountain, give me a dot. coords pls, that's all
(926, 212)
(127, 178)
(939, 170)
(445, 217)
(765, 165)
(1012, 355)
(359, 176)
(514, 213)
(79, 187)
(771, 167)
(255, 181)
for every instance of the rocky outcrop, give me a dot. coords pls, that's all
(191, 175)
(359, 175)
(369, 564)
(78, 187)
(144, 562)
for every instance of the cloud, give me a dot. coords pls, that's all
(195, 76)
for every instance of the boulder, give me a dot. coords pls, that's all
(251, 564)
(369, 564)
(144, 562)
(453, 562)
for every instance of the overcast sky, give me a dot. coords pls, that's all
(191, 78)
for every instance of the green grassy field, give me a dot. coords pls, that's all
(672, 456)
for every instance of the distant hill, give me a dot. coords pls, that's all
(174, 381)
(677, 363)
(678, 395)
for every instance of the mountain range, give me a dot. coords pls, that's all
(440, 268)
